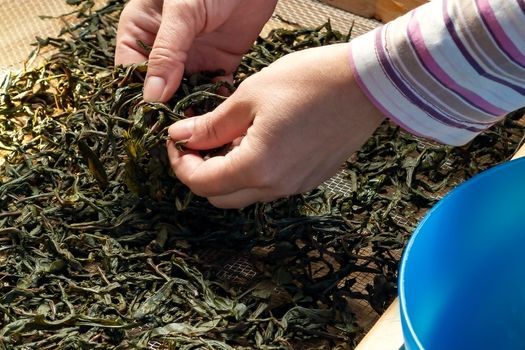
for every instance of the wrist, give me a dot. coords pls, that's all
(360, 115)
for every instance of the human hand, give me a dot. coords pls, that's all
(293, 125)
(191, 35)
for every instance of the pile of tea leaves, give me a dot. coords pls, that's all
(101, 247)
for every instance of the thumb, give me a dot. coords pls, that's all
(181, 22)
(226, 123)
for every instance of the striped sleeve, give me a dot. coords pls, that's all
(447, 70)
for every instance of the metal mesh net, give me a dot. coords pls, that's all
(23, 25)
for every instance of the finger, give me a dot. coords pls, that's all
(211, 177)
(237, 141)
(241, 198)
(181, 22)
(223, 125)
(132, 31)
(126, 54)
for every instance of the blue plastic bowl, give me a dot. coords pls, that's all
(462, 275)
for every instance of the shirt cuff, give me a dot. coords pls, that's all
(447, 70)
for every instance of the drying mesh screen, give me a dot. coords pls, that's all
(23, 24)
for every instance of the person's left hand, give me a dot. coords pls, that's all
(192, 36)
(293, 124)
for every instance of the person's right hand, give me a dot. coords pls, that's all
(187, 35)
(292, 125)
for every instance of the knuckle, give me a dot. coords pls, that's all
(205, 128)
(210, 128)
(162, 57)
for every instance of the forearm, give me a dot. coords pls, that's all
(448, 70)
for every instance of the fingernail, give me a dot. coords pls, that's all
(179, 145)
(181, 130)
(153, 88)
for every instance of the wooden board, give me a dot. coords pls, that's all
(383, 10)
(386, 333)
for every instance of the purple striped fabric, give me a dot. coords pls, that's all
(522, 5)
(506, 44)
(447, 70)
(472, 60)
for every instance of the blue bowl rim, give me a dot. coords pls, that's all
(454, 192)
